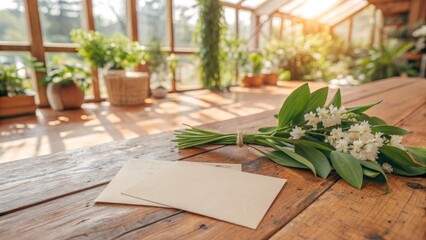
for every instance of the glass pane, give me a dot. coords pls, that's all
(187, 75)
(287, 29)
(231, 1)
(18, 60)
(313, 8)
(291, 5)
(152, 21)
(110, 16)
(229, 20)
(343, 11)
(12, 21)
(58, 18)
(244, 24)
(362, 27)
(276, 27)
(252, 3)
(264, 33)
(59, 59)
(379, 20)
(185, 17)
(342, 31)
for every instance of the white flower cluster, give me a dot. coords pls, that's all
(358, 141)
(329, 117)
(297, 133)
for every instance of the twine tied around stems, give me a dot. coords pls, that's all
(240, 138)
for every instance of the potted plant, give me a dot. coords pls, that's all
(156, 60)
(121, 53)
(254, 68)
(172, 62)
(114, 55)
(234, 56)
(14, 97)
(273, 55)
(66, 86)
(385, 61)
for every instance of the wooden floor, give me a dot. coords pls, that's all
(49, 131)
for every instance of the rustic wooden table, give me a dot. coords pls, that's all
(51, 197)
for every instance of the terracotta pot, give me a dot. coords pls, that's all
(270, 78)
(64, 97)
(252, 81)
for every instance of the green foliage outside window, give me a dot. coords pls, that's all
(386, 61)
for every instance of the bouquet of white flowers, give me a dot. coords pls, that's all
(320, 137)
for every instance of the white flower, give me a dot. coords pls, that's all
(297, 133)
(312, 119)
(342, 145)
(387, 167)
(336, 133)
(357, 145)
(395, 141)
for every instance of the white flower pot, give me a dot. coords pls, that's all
(159, 92)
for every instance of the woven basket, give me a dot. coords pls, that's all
(127, 89)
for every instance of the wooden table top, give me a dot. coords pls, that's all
(51, 197)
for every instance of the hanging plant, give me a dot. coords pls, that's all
(209, 33)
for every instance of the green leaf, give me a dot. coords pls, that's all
(389, 130)
(362, 108)
(283, 159)
(376, 167)
(337, 99)
(401, 162)
(317, 99)
(418, 153)
(348, 168)
(298, 158)
(371, 120)
(267, 129)
(316, 157)
(293, 105)
(376, 121)
(315, 144)
(369, 173)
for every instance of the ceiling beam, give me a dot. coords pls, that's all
(236, 6)
(270, 6)
(386, 1)
(394, 7)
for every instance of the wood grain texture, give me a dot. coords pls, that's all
(93, 166)
(59, 174)
(54, 198)
(79, 217)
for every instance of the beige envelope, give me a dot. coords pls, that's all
(134, 171)
(236, 197)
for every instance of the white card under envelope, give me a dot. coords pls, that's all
(232, 196)
(136, 170)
